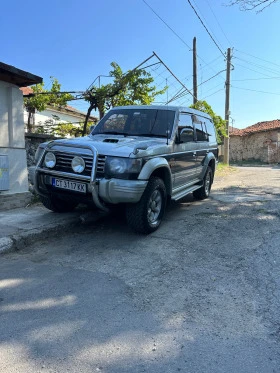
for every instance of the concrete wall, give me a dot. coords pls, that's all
(260, 147)
(12, 142)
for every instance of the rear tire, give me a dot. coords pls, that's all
(204, 191)
(58, 205)
(146, 215)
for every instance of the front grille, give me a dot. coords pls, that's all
(63, 163)
(100, 165)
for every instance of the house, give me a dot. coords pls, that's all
(65, 114)
(13, 171)
(259, 142)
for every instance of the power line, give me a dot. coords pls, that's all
(205, 81)
(259, 66)
(253, 90)
(184, 93)
(258, 58)
(212, 94)
(205, 21)
(170, 28)
(243, 80)
(205, 27)
(174, 32)
(255, 71)
(218, 22)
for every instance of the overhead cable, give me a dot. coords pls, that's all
(174, 32)
(254, 90)
(214, 41)
(218, 22)
(170, 28)
(258, 58)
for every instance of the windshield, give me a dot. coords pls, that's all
(137, 122)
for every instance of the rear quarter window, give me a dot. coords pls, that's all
(211, 131)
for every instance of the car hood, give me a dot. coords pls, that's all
(115, 145)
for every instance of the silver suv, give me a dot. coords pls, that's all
(138, 156)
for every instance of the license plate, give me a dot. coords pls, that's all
(69, 185)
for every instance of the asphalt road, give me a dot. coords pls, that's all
(200, 295)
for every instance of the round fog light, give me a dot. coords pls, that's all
(78, 164)
(50, 160)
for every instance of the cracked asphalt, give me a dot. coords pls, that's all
(201, 294)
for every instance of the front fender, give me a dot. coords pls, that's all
(151, 165)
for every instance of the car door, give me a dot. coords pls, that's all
(184, 155)
(202, 143)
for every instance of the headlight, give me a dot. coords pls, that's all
(78, 164)
(50, 160)
(123, 168)
(117, 165)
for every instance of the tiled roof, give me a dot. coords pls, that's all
(26, 90)
(258, 127)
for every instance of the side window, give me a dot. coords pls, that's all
(200, 128)
(185, 128)
(211, 132)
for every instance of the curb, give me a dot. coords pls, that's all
(20, 241)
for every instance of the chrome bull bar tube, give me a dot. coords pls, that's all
(93, 184)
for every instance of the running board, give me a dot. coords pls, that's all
(183, 193)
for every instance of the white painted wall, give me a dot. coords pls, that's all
(12, 140)
(41, 117)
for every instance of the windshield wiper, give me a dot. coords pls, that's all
(114, 133)
(149, 135)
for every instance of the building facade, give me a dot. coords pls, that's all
(259, 143)
(13, 167)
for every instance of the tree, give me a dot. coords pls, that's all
(219, 123)
(42, 97)
(131, 88)
(258, 5)
(54, 127)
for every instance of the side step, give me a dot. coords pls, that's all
(182, 193)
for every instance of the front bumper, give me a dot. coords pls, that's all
(121, 191)
(101, 190)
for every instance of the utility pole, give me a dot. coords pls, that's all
(194, 72)
(227, 112)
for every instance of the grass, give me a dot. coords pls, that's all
(224, 169)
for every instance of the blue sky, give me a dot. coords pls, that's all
(75, 41)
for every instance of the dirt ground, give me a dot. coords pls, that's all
(201, 294)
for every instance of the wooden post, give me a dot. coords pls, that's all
(227, 112)
(194, 72)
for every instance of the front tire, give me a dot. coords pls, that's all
(204, 191)
(146, 215)
(57, 205)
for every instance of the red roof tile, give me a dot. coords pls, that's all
(258, 127)
(26, 90)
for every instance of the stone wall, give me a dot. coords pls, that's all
(260, 147)
(32, 141)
